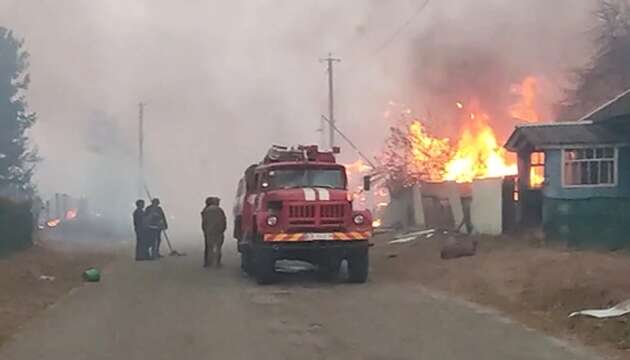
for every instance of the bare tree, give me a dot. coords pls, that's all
(608, 73)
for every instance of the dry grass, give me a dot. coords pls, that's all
(24, 295)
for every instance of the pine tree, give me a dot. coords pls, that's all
(17, 156)
(608, 73)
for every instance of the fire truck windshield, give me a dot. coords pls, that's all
(295, 178)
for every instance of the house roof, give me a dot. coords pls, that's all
(540, 136)
(618, 106)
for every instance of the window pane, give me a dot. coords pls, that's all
(599, 153)
(579, 154)
(575, 173)
(593, 173)
(583, 166)
(609, 153)
(589, 153)
(536, 176)
(604, 172)
(537, 158)
(612, 172)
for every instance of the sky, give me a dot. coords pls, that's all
(223, 80)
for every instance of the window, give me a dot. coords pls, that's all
(536, 170)
(295, 178)
(590, 166)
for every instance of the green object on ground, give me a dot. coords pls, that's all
(92, 275)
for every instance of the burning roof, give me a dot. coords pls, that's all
(415, 154)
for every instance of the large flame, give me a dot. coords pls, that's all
(53, 223)
(475, 154)
(525, 108)
(478, 154)
(71, 214)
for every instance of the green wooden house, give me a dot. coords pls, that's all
(574, 177)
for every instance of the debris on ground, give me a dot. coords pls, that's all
(47, 278)
(458, 247)
(92, 275)
(620, 309)
(403, 240)
(392, 255)
(412, 236)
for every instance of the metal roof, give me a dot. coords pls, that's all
(617, 106)
(539, 136)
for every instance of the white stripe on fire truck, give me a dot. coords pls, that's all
(309, 194)
(324, 194)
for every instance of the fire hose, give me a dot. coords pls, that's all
(173, 252)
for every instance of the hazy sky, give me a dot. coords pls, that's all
(225, 79)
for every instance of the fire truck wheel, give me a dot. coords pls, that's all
(358, 266)
(264, 268)
(246, 262)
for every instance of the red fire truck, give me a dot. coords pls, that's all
(295, 205)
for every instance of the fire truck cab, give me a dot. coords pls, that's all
(295, 205)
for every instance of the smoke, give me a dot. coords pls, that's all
(481, 51)
(224, 80)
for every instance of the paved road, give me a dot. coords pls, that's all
(174, 309)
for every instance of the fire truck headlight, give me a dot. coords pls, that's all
(272, 220)
(358, 219)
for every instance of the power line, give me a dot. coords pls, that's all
(334, 127)
(399, 31)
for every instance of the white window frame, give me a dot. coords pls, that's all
(615, 160)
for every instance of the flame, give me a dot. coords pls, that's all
(478, 154)
(414, 154)
(71, 214)
(427, 151)
(536, 180)
(377, 223)
(53, 223)
(525, 108)
(357, 167)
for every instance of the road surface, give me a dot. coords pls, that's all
(174, 309)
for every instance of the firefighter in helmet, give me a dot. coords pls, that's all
(138, 226)
(155, 224)
(213, 224)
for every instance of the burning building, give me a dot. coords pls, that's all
(584, 195)
(438, 180)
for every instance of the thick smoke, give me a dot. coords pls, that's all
(224, 80)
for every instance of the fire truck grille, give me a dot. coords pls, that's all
(305, 215)
(302, 211)
(332, 211)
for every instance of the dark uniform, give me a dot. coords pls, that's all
(138, 226)
(155, 223)
(213, 224)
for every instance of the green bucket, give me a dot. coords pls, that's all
(92, 275)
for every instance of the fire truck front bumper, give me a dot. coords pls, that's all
(334, 237)
(313, 247)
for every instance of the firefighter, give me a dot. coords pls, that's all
(213, 224)
(155, 223)
(138, 226)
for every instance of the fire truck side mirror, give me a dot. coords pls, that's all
(366, 183)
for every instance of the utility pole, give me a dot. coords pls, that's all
(141, 106)
(330, 60)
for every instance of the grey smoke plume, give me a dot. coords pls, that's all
(225, 79)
